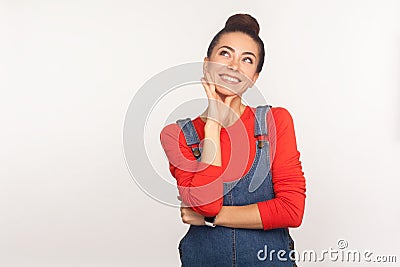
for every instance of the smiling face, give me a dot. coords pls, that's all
(233, 63)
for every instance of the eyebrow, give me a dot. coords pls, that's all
(233, 50)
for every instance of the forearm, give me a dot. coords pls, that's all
(207, 195)
(197, 182)
(247, 216)
(211, 153)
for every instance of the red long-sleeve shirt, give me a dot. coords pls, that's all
(200, 185)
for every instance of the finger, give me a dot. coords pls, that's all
(184, 211)
(213, 85)
(210, 81)
(206, 87)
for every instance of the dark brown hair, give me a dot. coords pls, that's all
(246, 24)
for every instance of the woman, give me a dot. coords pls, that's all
(237, 167)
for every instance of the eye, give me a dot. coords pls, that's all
(224, 53)
(248, 60)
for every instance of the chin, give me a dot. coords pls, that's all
(228, 92)
(224, 91)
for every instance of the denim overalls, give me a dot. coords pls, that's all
(223, 246)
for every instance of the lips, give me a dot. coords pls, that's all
(229, 78)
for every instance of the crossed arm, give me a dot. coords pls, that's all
(229, 216)
(285, 210)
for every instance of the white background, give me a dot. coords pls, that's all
(69, 69)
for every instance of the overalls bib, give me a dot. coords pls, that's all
(223, 246)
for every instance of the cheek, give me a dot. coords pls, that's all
(215, 67)
(250, 72)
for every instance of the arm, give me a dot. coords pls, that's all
(247, 216)
(229, 216)
(287, 208)
(198, 183)
(212, 143)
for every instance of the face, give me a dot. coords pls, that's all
(233, 63)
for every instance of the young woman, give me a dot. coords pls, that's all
(237, 167)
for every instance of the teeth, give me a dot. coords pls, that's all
(230, 78)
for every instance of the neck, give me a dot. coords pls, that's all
(237, 106)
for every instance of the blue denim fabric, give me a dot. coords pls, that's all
(224, 246)
(191, 135)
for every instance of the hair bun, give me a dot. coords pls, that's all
(243, 21)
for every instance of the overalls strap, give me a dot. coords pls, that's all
(191, 137)
(260, 124)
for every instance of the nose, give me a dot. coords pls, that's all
(233, 64)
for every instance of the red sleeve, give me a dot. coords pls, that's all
(287, 208)
(198, 183)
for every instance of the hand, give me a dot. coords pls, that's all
(219, 109)
(189, 216)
